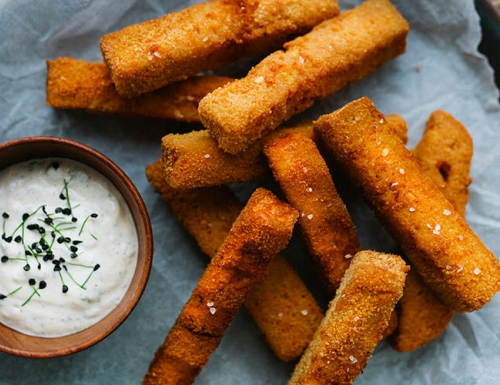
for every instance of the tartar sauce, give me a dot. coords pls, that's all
(68, 249)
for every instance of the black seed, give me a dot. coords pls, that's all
(65, 268)
(60, 240)
(8, 239)
(73, 255)
(58, 210)
(39, 266)
(74, 249)
(57, 268)
(67, 239)
(38, 250)
(31, 281)
(5, 259)
(96, 267)
(46, 258)
(5, 215)
(18, 239)
(76, 242)
(42, 285)
(62, 196)
(94, 215)
(48, 221)
(66, 211)
(62, 260)
(53, 234)
(74, 219)
(25, 216)
(27, 252)
(26, 267)
(2, 296)
(34, 245)
(65, 288)
(55, 165)
(41, 230)
(32, 226)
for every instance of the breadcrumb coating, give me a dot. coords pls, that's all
(282, 306)
(149, 55)
(355, 320)
(336, 53)
(79, 84)
(440, 245)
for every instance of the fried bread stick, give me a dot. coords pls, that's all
(193, 160)
(334, 54)
(79, 84)
(325, 223)
(282, 306)
(205, 36)
(445, 154)
(440, 245)
(262, 230)
(354, 322)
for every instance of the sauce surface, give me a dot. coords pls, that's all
(68, 249)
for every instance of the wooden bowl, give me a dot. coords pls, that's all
(19, 150)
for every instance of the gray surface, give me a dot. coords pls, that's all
(453, 76)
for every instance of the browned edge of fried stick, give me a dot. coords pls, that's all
(354, 322)
(325, 223)
(205, 36)
(445, 154)
(193, 160)
(440, 245)
(79, 84)
(336, 53)
(262, 229)
(283, 308)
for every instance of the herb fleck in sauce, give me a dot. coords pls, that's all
(68, 247)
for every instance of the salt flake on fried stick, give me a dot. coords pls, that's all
(442, 248)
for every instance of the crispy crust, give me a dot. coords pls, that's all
(146, 56)
(326, 225)
(193, 160)
(354, 322)
(445, 154)
(282, 306)
(78, 84)
(334, 54)
(262, 230)
(442, 248)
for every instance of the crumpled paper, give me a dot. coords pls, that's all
(441, 69)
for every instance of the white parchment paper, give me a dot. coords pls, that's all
(440, 70)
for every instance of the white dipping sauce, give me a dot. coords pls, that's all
(68, 250)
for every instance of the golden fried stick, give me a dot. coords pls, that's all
(442, 248)
(445, 154)
(325, 223)
(354, 322)
(146, 56)
(334, 54)
(282, 306)
(193, 160)
(78, 84)
(262, 230)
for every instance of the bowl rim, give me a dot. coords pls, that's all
(24, 345)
